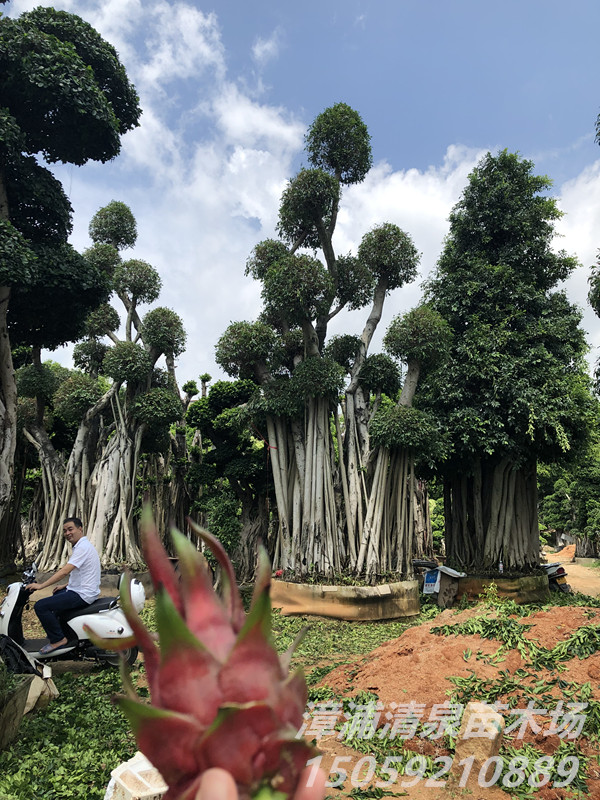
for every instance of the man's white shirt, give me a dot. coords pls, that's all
(85, 578)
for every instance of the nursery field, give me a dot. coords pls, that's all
(377, 693)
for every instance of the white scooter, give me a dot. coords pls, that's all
(103, 616)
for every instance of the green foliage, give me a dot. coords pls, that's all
(190, 388)
(104, 257)
(390, 255)
(12, 139)
(162, 331)
(409, 428)
(514, 384)
(343, 349)
(65, 87)
(232, 458)
(504, 218)
(380, 373)
(102, 320)
(36, 381)
(438, 524)
(21, 355)
(17, 260)
(500, 621)
(317, 377)
(210, 414)
(570, 495)
(355, 282)
(65, 97)
(222, 518)
(264, 256)
(98, 54)
(309, 200)
(38, 205)
(338, 141)
(334, 639)
(157, 407)
(114, 225)
(226, 394)
(421, 335)
(198, 415)
(89, 355)
(51, 309)
(94, 739)
(26, 412)
(299, 287)
(127, 362)
(138, 280)
(245, 345)
(279, 398)
(160, 379)
(75, 396)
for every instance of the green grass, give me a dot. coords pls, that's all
(336, 639)
(68, 750)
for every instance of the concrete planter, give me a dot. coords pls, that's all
(387, 601)
(528, 589)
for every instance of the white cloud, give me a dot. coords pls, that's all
(579, 231)
(265, 50)
(243, 120)
(182, 43)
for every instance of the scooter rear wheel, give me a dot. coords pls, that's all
(112, 659)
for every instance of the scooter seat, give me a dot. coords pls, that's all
(101, 604)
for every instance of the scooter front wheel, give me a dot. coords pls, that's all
(113, 659)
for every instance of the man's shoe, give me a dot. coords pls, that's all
(49, 648)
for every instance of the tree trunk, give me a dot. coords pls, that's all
(491, 516)
(255, 530)
(8, 399)
(8, 408)
(161, 481)
(99, 486)
(586, 547)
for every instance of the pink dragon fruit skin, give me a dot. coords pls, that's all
(221, 696)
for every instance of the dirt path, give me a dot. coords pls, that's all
(582, 579)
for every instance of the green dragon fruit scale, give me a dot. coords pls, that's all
(221, 696)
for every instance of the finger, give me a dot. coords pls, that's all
(311, 789)
(217, 784)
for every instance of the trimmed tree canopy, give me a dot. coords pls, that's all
(517, 346)
(65, 87)
(338, 141)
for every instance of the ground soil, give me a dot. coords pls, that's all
(417, 667)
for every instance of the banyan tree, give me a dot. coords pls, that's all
(344, 496)
(119, 406)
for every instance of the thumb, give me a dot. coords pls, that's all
(217, 784)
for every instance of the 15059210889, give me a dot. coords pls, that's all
(400, 772)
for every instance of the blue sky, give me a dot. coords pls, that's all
(229, 88)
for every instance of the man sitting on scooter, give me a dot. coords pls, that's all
(83, 569)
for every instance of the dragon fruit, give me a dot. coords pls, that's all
(221, 696)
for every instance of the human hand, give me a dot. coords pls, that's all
(34, 587)
(58, 589)
(217, 784)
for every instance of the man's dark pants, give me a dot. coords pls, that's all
(48, 607)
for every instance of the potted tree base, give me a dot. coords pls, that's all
(387, 601)
(525, 589)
